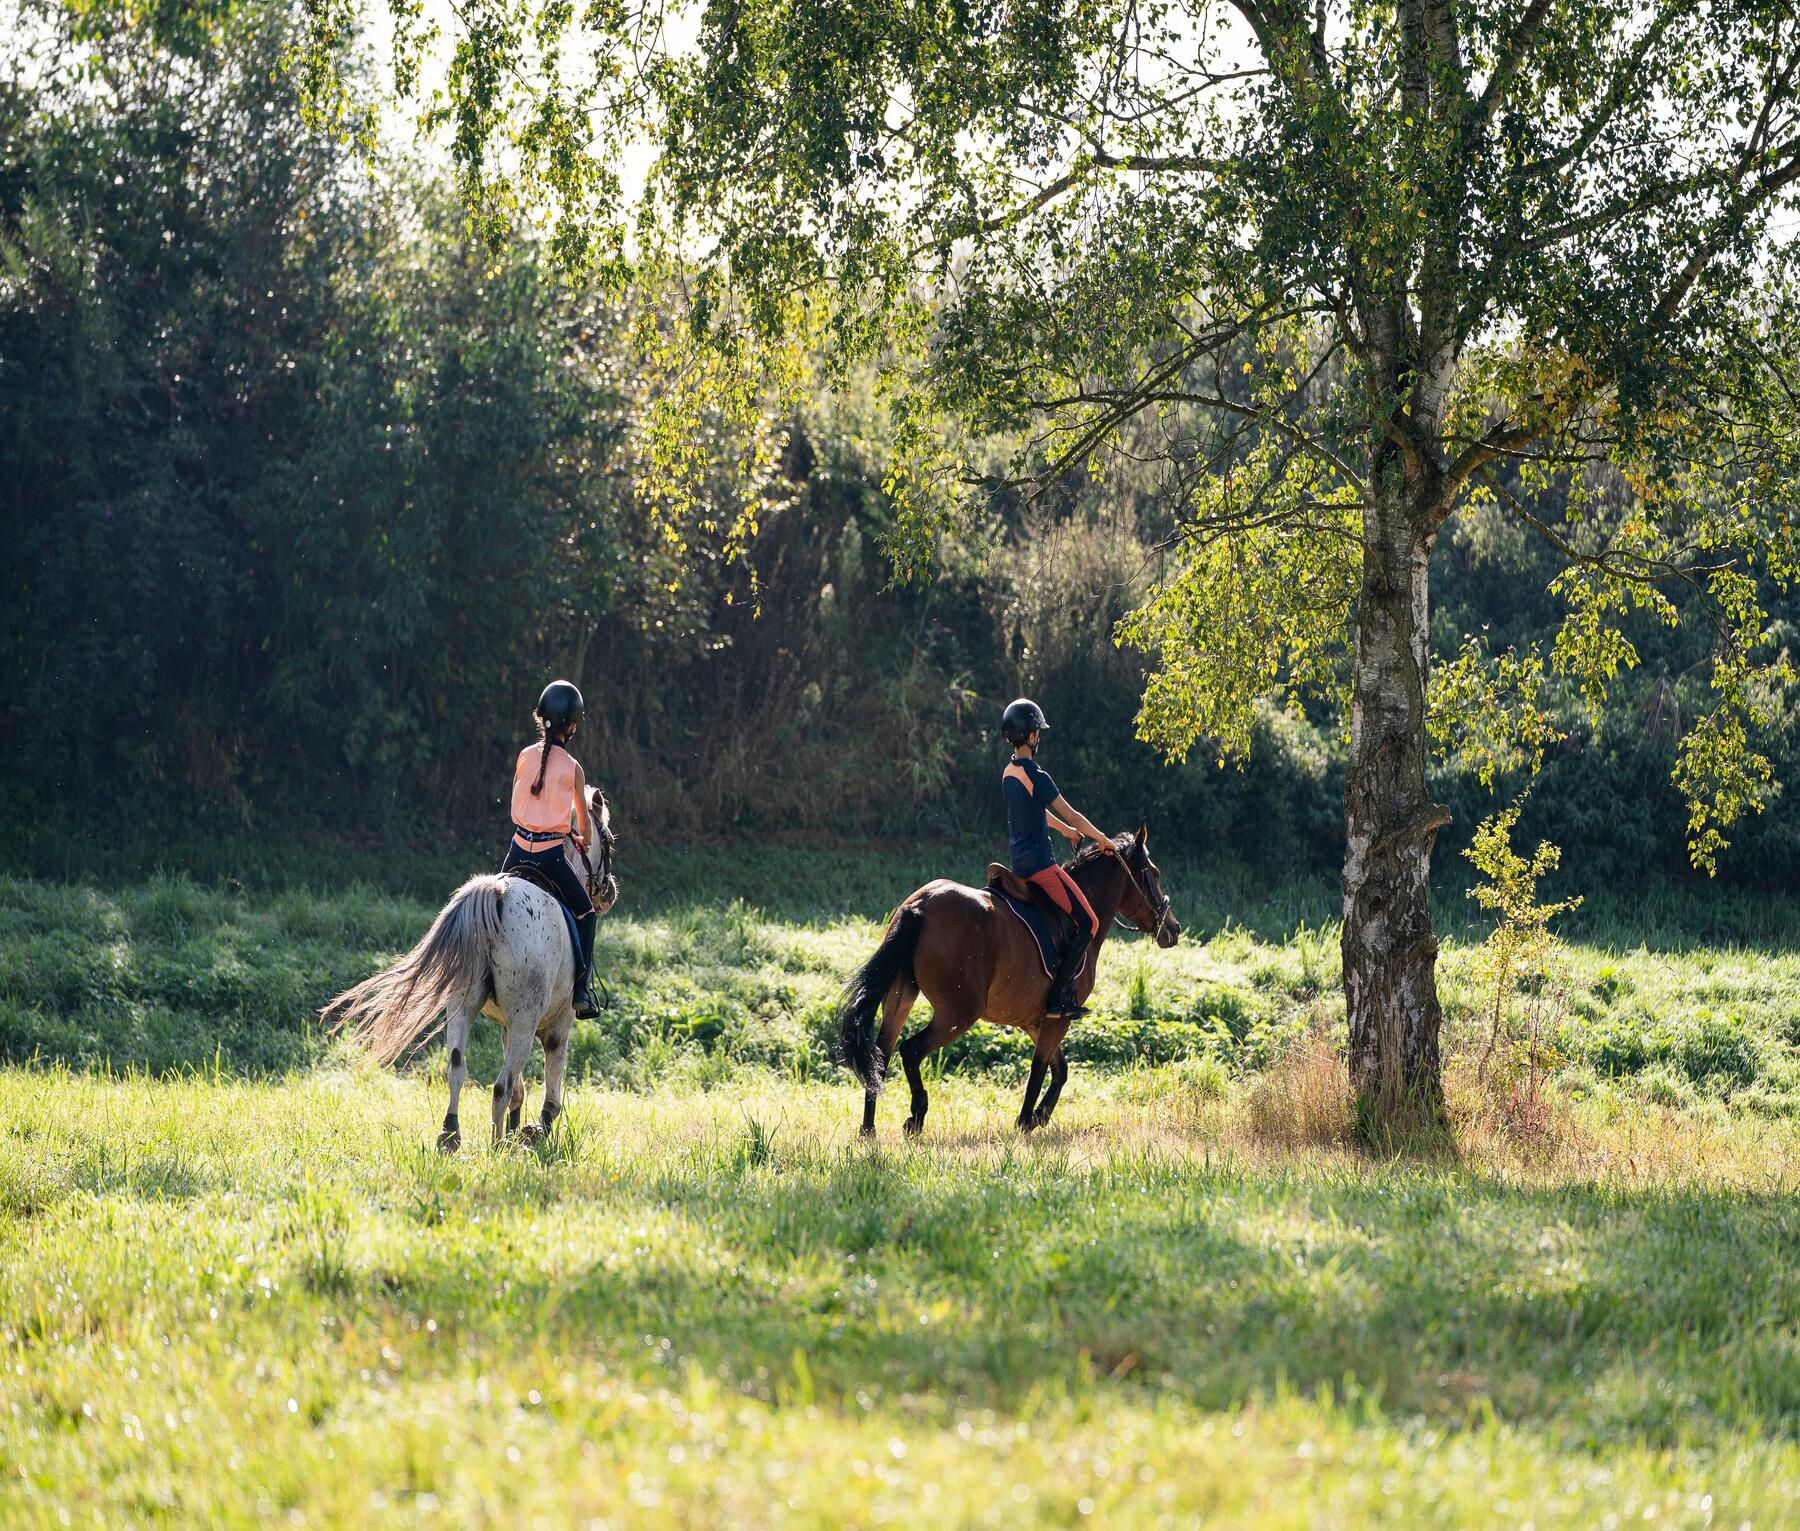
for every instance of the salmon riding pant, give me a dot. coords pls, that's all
(1061, 887)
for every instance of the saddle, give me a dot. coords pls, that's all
(1050, 928)
(540, 879)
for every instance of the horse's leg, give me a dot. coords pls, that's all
(912, 1054)
(1049, 1042)
(457, 1022)
(509, 1088)
(556, 1054)
(895, 1009)
(1059, 1075)
(949, 1020)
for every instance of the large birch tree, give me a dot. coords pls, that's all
(1339, 270)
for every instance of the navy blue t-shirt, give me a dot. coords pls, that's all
(1029, 792)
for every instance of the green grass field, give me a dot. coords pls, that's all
(241, 1285)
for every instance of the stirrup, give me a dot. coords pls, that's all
(586, 1008)
(1072, 1011)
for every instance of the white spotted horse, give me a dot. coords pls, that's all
(501, 948)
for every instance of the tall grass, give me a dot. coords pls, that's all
(719, 960)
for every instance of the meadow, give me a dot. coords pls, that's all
(241, 1284)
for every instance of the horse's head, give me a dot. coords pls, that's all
(1144, 904)
(603, 887)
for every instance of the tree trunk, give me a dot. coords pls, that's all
(1389, 947)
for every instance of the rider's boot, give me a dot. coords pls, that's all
(1062, 999)
(585, 1008)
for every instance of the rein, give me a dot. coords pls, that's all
(598, 881)
(1158, 906)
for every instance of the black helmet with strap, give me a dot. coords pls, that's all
(1021, 719)
(560, 705)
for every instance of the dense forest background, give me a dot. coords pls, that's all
(305, 497)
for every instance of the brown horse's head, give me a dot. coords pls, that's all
(1144, 903)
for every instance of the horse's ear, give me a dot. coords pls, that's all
(1143, 832)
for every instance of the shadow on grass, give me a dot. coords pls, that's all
(1648, 1316)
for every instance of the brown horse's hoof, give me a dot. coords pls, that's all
(532, 1133)
(914, 1126)
(865, 1132)
(449, 1140)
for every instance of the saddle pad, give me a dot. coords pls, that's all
(538, 880)
(1052, 938)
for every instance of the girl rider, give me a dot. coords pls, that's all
(1032, 808)
(549, 785)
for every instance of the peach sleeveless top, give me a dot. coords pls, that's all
(551, 809)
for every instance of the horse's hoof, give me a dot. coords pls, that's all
(532, 1133)
(914, 1126)
(449, 1142)
(865, 1132)
(1026, 1123)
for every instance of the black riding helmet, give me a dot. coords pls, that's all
(560, 705)
(1021, 719)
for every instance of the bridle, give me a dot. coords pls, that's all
(1158, 905)
(602, 886)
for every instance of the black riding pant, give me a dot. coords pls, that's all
(555, 865)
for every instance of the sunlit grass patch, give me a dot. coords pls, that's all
(229, 1298)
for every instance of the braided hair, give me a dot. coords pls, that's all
(550, 742)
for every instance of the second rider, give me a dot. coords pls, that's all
(1033, 809)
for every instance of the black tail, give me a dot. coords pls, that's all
(860, 1009)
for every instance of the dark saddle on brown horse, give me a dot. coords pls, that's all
(1050, 928)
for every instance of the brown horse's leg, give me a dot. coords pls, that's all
(948, 1022)
(1059, 1075)
(912, 1054)
(1049, 1043)
(872, 1093)
(894, 1010)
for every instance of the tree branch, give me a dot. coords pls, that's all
(1493, 98)
(1653, 571)
(1181, 164)
(1610, 103)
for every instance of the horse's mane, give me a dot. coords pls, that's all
(1090, 852)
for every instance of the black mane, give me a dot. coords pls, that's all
(1090, 852)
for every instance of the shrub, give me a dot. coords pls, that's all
(1721, 1048)
(1610, 983)
(1627, 1044)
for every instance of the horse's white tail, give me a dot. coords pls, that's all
(396, 1008)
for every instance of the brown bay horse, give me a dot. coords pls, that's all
(974, 960)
